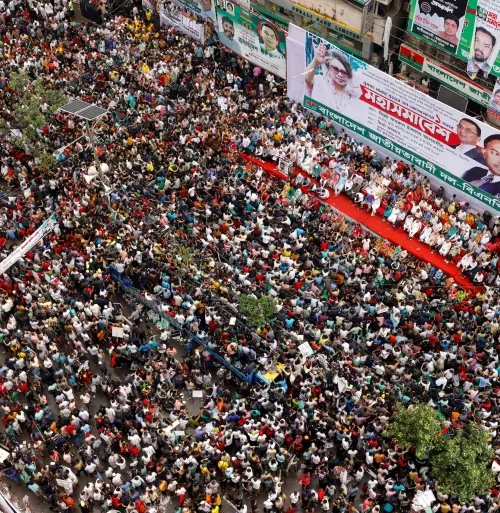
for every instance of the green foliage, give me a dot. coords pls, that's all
(462, 463)
(186, 259)
(45, 161)
(28, 117)
(20, 81)
(258, 311)
(27, 112)
(417, 426)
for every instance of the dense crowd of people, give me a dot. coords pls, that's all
(190, 224)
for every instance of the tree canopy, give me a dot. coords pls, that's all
(462, 463)
(258, 311)
(32, 102)
(417, 426)
(459, 460)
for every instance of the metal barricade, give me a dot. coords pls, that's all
(253, 378)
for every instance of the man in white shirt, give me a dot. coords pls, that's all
(469, 133)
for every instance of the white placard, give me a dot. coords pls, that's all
(117, 331)
(197, 393)
(31, 241)
(3, 455)
(306, 349)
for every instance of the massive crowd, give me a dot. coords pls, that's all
(96, 421)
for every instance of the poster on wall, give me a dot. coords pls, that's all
(468, 29)
(456, 149)
(252, 36)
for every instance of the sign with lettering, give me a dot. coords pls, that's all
(185, 24)
(252, 36)
(330, 23)
(468, 29)
(203, 8)
(466, 88)
(456, 149)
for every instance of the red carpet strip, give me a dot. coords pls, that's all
(385, 230)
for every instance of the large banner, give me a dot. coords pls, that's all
(444, 75)
(252, 36)
(441, 141)
(31, 241)
(468, 29)
(174, 17)
(202, 8)
(149, 4)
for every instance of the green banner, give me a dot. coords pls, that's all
(252, 36)
(467, 29)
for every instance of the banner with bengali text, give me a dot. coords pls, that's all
(467, 29)
(252, 36)
(444, 75)
(458, 150)
(183, 23)
(29, 243)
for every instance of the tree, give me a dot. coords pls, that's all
(45, 161)
(33, 103)
(462, 463)
(185, 259)
(258, 311)
(418, 426)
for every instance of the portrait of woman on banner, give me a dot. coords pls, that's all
(329, 79)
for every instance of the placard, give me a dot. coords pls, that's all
(306, 350)
(117, 331)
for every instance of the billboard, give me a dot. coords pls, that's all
(494, 104)
(444, 75)
(450, 147)
(468, 29)
(252, 36)
(183, 23)
(202, 8)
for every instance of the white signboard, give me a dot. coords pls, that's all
(306, 350)
(117, 331)
(455, 149)
(175, 18)
(31, 241)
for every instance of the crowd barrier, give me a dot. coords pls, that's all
(253, 378)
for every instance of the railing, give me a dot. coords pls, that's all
(252, 378)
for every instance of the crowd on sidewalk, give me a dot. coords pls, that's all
(193, 227)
